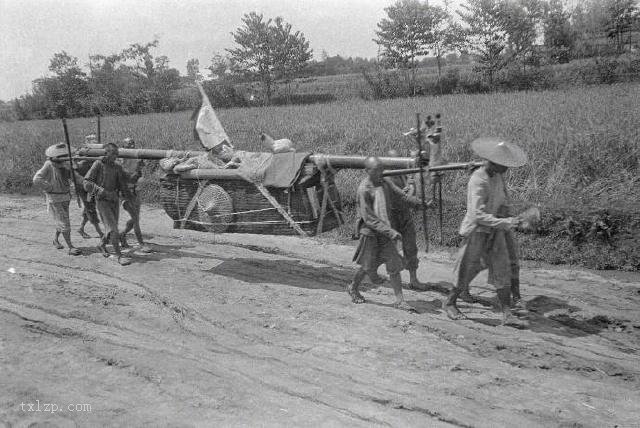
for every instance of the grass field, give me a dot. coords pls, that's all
(582, 143)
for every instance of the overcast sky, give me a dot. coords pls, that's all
(31, 31)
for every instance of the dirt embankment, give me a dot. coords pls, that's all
(212, 330)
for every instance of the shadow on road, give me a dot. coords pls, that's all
(283, 271)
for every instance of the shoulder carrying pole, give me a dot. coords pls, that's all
(71, 170)
(422, 194)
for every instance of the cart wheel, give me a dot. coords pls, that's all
(215, 208)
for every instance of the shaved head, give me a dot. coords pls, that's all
(374, 168)
(393, 153)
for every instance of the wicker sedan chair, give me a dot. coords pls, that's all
(229, 203)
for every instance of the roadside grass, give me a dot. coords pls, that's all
(582, 144)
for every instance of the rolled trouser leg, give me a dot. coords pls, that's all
(409, 246)
(396, 283)
(109, 212)
(504, 299)
(514, 260)
(450, 307)
(136, 221)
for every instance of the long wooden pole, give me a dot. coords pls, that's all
(425, 224)
(99, 136)
(71, 170)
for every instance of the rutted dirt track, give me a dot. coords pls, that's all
(241, 330)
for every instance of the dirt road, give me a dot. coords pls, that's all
(242, 330)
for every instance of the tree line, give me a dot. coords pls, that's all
(492, 35)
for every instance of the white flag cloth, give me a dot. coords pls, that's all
(208, 127)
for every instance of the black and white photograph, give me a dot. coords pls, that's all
(319, 213)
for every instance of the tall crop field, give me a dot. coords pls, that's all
(583, 144)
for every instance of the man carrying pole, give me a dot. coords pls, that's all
(402, 221)
(379, 242)
(488, 240)
(53, 178)
(133, 170)
(105, 181)
(89, 212)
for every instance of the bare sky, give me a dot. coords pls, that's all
(31, 31)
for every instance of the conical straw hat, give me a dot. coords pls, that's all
(56, 150)
(499, 151)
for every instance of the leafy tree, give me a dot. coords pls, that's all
(404, 36)
(559, 35)
(141, 57)
(621, 18)
(588, 19)
(220, 67)
(445, 35)
(268, 50)
(65, 90)
(193, 70)
(486, 35)
(501, 32)
(520, 20)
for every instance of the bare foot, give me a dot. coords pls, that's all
(417, 285)
(509, 320)
(144, 249)
(124, 261)
(454, 313)
(467, 297)
(404, 306)
(84, 234)
(356, 297)
(74, 251)
(103, 249)
(519, 308)
(57, 244)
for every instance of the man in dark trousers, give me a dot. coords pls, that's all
(486, 228)
(105, 181)
(402, 221)
(379, 241)
(89, 212)
(133, 169)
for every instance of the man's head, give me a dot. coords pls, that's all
(374, 169)
(223, 151)
(56, 153)
(493, 168)
(110, 152)
(91, 139)
(393, 153)
(128, 143)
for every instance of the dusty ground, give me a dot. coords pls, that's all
(241, 330)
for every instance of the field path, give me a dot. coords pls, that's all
(248, 330)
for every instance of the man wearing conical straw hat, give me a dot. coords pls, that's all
(488, 240)
(53, 178)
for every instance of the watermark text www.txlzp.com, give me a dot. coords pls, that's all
(54, 407)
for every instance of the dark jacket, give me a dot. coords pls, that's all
(106, 180)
